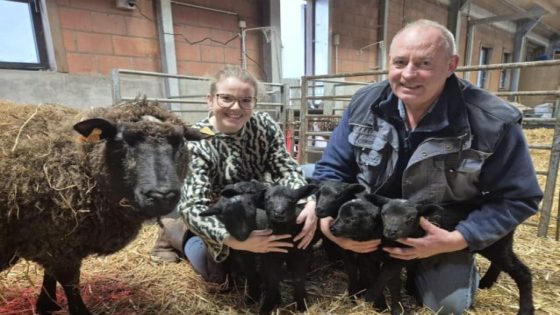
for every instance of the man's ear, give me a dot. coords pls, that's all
(95, 129)
(453, 64)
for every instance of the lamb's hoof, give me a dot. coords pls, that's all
(485, 284)
(47, 308)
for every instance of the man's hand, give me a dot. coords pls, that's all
(308, 216)
(346, 243)
(436, 241)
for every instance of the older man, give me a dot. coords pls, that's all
(426, 135)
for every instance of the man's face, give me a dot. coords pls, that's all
(419, 64)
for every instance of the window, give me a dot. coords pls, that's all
(505, 74)
(22, 35)
(484, 59)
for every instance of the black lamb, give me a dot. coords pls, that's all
(63, 199)
(330, 196)
(401, 219)
(237, 209)
(280, 203)
(360, 220)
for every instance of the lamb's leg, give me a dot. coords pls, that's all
(46, 303)
(351, 268)
(390, 269)
(394, 286)
(271, 267)
(69, 278)
(248, 263)
(501, 254)
(490, 277)
(369, 268)
(300, 262)
(410, 286)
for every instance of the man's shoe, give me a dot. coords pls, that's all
(170, 241)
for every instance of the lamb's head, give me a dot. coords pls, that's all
(237, 208)
(280, 201)
(332, 194)
(138, 152)
(358, 219)
(401, 217)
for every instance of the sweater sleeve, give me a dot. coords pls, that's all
(510, 189)
(196, 197)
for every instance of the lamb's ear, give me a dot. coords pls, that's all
(95, 129)
(211, 211)
(429, 210)
(229, 192)
(354, 189)
(305, 191)
(193, 134)
(377, 200)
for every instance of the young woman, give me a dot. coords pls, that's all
(247, 145)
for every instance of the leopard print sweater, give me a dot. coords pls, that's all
(257, 151)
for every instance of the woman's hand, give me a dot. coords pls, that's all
(436, 241)
(346, 243)
(261, 241)
(308, 216)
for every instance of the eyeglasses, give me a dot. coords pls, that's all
(227, 101)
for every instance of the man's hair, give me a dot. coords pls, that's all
(447, 36)
(231, 71)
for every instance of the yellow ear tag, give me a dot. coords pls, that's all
(93, 137)
(207, 131)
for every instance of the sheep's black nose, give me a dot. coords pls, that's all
(163, 198)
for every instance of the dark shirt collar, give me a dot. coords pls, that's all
(435, 119)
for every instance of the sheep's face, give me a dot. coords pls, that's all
(280, 202)
(332, 194)
(146, 161)
(400, 219)
(358, 219)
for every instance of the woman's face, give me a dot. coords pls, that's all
(232, 105)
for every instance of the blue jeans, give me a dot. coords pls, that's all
(447, 282)
(197, 253)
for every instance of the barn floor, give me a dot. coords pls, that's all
(128, 282)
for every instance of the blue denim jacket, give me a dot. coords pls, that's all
(468, 154)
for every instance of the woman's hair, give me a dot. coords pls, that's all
(230, 71)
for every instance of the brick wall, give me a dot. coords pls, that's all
(96, 36)
(207, 40)
(357, 23)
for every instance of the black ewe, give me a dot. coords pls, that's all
(62, 200)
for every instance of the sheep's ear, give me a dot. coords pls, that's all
(377, 200)
(95, 129)
(354, 189)
(305, 191)
(211, 211)
(229, 192)
(193, 134)
(428, 210)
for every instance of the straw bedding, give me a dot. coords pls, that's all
(128, 282)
